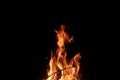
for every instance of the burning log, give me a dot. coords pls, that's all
(59, 73)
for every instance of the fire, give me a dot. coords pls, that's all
(60, 67)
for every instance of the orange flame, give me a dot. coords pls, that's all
(60, 67)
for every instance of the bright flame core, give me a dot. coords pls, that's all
(60, 67)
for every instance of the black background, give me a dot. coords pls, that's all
(93, 38)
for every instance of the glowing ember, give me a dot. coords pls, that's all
(60, 67)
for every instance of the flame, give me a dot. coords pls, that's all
(60, 67)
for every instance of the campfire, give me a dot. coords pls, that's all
(60, 68)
